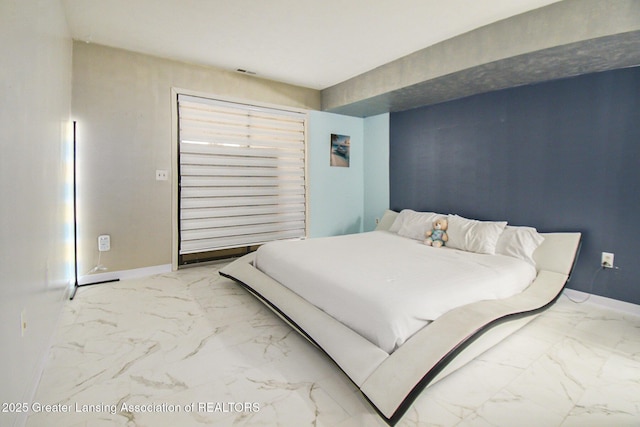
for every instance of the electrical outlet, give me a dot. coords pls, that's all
(162, 175)
(607, 259)
(104, 243)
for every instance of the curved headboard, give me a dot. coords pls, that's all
(387, 219)
(558, 252)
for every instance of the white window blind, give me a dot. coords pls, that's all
(242, 174)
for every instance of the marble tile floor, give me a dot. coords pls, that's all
(191, 348)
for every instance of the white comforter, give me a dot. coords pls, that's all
(387, 287)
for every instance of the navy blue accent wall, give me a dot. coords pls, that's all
(560, 156)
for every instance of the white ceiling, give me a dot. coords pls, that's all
(311, 43)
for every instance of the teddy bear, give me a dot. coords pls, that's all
(437, 236)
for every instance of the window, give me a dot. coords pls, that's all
(242, 175)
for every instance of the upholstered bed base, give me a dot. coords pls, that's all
(391, 382)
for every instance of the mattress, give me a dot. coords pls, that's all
(386, 287)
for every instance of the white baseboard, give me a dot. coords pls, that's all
(124, 274)
(613, 304)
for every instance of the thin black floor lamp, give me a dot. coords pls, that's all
(75, 224)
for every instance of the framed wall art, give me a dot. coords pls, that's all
(340, 150)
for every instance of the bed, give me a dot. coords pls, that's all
(396, 315)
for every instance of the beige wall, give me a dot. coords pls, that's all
(122, 103)
(35, 222)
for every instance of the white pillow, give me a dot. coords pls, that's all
(519, 242)
(474, 236)
(412, 224)
(400, 219)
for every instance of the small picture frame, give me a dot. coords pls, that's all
(340, 150)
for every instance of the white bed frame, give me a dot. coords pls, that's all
(391, 382)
